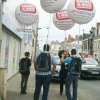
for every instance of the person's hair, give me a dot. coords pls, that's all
(73, 52)
(27, 54)
(68, 54)
(60, 53)
(46, 47)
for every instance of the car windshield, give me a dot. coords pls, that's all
(91, 61)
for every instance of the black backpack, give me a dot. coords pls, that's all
(43, 62)
(75, 65)
(23, 63)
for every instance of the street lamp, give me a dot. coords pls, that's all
(36, 37)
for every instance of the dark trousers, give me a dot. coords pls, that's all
(63, 74)
(24, 80)
(62, 82)
(42, 80)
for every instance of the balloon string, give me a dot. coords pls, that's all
(65, 33)
(65, 41)
(48, 30)
(79, 34)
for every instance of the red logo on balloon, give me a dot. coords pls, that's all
(27, 8)
(83, 5)
(62, 15)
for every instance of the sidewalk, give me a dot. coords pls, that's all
(13, 92)
(14, 89)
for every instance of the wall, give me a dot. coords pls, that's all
(10, 52)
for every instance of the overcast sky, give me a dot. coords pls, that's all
(56, 34)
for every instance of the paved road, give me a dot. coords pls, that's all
(89, 89)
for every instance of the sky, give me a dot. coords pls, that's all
(54, 33)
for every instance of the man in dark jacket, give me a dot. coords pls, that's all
(43, 75)
(25, 74)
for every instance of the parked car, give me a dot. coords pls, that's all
(90, 68)
(55, 75)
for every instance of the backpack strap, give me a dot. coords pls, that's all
(47, 62)
(70, 64)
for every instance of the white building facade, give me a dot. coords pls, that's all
(10, 45)
(96, 43)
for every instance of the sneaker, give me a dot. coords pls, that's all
(24, 92)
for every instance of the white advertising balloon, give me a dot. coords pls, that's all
(52, 6)
(81, 11)
(62, 21)
(26, 14)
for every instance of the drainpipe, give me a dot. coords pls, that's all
(3, 71)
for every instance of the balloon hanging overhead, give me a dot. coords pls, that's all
(52, 6)
(81, 11)
(62, 21)
(26, 14)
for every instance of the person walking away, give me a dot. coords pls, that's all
(43, 72)
(74, 70)
(24, 69)
(63, 71)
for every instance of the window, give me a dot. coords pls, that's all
(94, 45)
(7, 50)
(97, 31)
(99, 44)
(33, 43)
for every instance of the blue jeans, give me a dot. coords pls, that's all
(71, 79)
(45, 81)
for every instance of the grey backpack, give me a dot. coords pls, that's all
(43, 62)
